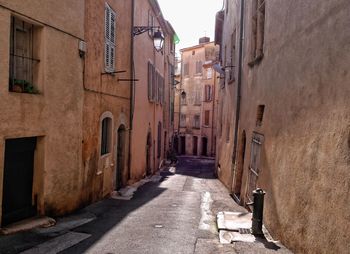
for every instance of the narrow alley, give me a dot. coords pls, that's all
(176, 213)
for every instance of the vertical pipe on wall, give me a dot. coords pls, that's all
(132, 85)
(239, 82)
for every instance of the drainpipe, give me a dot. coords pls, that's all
(239, 82)
(132, 85)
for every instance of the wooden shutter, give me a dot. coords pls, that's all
(206, 117)
(110, 38)
(150, 80)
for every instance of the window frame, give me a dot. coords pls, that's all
(106, 136)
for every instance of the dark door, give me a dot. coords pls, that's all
(148, 154)
(18, 180)
(183, 144)
(195, 145)
(120, 158)
(204, 146)
(176, 144)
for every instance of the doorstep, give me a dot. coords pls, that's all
(27, 224)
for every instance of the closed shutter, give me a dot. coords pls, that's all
(110, 38)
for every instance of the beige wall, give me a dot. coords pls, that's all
(303, 82)
(147, 114)
(55, 114)
(105, 96)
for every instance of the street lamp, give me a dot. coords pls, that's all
(158, 37)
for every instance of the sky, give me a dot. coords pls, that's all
(191, 19)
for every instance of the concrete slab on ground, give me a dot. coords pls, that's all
(234, 221)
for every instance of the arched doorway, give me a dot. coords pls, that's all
(148, 154)
(120, 157)
(204, 146)
(237, 178)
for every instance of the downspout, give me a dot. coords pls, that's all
(239, 83)
(132, 85)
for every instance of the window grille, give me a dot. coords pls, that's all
(110, 38)
(22, 61)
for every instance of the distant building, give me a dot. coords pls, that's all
(195, 99)
(284, 116)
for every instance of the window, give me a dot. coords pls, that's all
(106, 132)
(182, 120)
(232, 56)
(196, 122)
(209, 73)
(198, 97)
(260, 115)
(150, 23)
(171, 72)
(186, 69)
(208, 93)
(258, 29)
(206, 117)
(160, 88)
(23, 63)
(183, 99)
(199, 67)
(110, 41)
(159, 146)
(150, 80)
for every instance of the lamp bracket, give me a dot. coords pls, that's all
(142, 29)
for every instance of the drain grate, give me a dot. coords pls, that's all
(245, 231)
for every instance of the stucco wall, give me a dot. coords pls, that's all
(303, 82)
(105, 96)
(147, 115)
(55, 114)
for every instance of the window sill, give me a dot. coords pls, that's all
(22, 92)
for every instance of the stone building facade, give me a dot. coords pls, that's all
(41, 98)
(288, 112)
(151, 132)
(195, 99)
